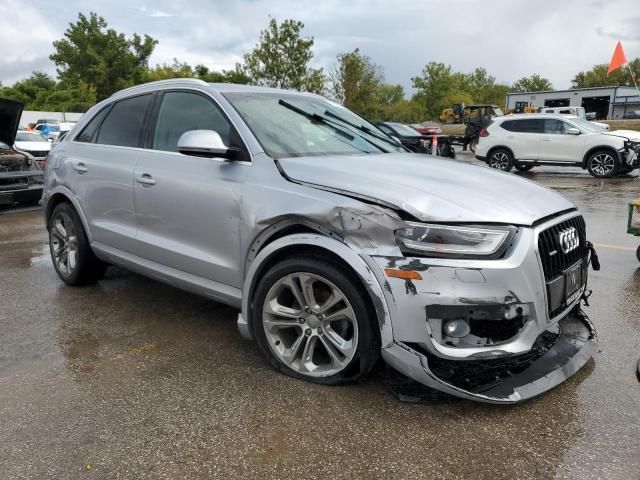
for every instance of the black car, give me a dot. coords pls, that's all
(21, 179)
(414, 141)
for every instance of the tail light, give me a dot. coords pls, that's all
(484, 132)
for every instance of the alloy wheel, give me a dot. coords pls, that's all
(64, 245)
(499, 160)
(603, 164)
(310, 325)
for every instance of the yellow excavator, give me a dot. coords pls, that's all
(459, 113)
(523, 107)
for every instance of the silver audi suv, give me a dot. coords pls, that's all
(337, 245)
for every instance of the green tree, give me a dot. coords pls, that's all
(597, 76)
(223, 76)
(435, 87)
(93, 53)
(355, 81)
(281, 59)
(533, 83)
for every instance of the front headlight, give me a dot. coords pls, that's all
(453, 241)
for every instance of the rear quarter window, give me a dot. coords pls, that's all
(529, 125)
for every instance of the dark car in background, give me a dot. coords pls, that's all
(21, 179)
(414, 141)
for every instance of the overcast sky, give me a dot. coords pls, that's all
(510, 38)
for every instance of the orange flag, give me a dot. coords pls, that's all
(618, 59)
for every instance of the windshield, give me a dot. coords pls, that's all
(290, 125)
(29, 137)
(404, 130)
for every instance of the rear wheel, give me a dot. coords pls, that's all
(73, 259)
(523, 167)
(501, 159)
(603, 164)
(473, 144)
(638, 253)
(312, 322)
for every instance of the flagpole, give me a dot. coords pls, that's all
(633, 77)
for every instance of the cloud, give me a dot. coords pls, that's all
(510, 39)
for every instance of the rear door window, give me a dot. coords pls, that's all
(124, 123)
(529, 125)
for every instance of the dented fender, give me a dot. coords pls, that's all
(347, 254)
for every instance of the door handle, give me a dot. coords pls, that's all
(80, 168)
(546, 139)
(145, 179)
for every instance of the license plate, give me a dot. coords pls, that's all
(573, 282)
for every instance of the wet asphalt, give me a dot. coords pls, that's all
(131, 378)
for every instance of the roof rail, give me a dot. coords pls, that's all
(159, 83)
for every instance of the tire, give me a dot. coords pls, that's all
(500, 159)
(638, 253)
(523, 167)
(603, 164)
(74, 261)
(473, 144)
(285, 339)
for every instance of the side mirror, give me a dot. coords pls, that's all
(573, 131)
(203, 143)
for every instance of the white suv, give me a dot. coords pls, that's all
(524, 141)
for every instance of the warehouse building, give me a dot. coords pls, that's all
(606, 102)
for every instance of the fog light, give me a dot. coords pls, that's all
(456, 328)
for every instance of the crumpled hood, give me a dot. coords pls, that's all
(431, 188)
(10, 112)
(629, 134)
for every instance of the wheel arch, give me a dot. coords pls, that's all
(59, 195)
(314, 242)
(500, 147)
(595, 149)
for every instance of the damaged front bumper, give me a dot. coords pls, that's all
(556, 355)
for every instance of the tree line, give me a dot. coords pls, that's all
(93, 61)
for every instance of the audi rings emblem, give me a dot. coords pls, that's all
(569, 240)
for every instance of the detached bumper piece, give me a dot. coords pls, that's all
(554, 357)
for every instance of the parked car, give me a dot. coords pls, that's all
(524, 141)
(336, 244)
(579, 112)
(49, 131)
(21, 179)
(414, 141)
(34, 145)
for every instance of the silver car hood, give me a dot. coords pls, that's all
(431, 188)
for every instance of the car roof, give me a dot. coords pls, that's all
(524, 116)
(194, 82)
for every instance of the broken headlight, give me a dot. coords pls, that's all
(453, 241)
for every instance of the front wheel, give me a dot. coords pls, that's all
(603, 164)
(501, 159)
(312, 322)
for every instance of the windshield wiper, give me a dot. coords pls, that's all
(364, 129)
(316, 118)
(335, 125)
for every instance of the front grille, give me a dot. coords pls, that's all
(38, 153)
(14, 181)
(554, 260)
